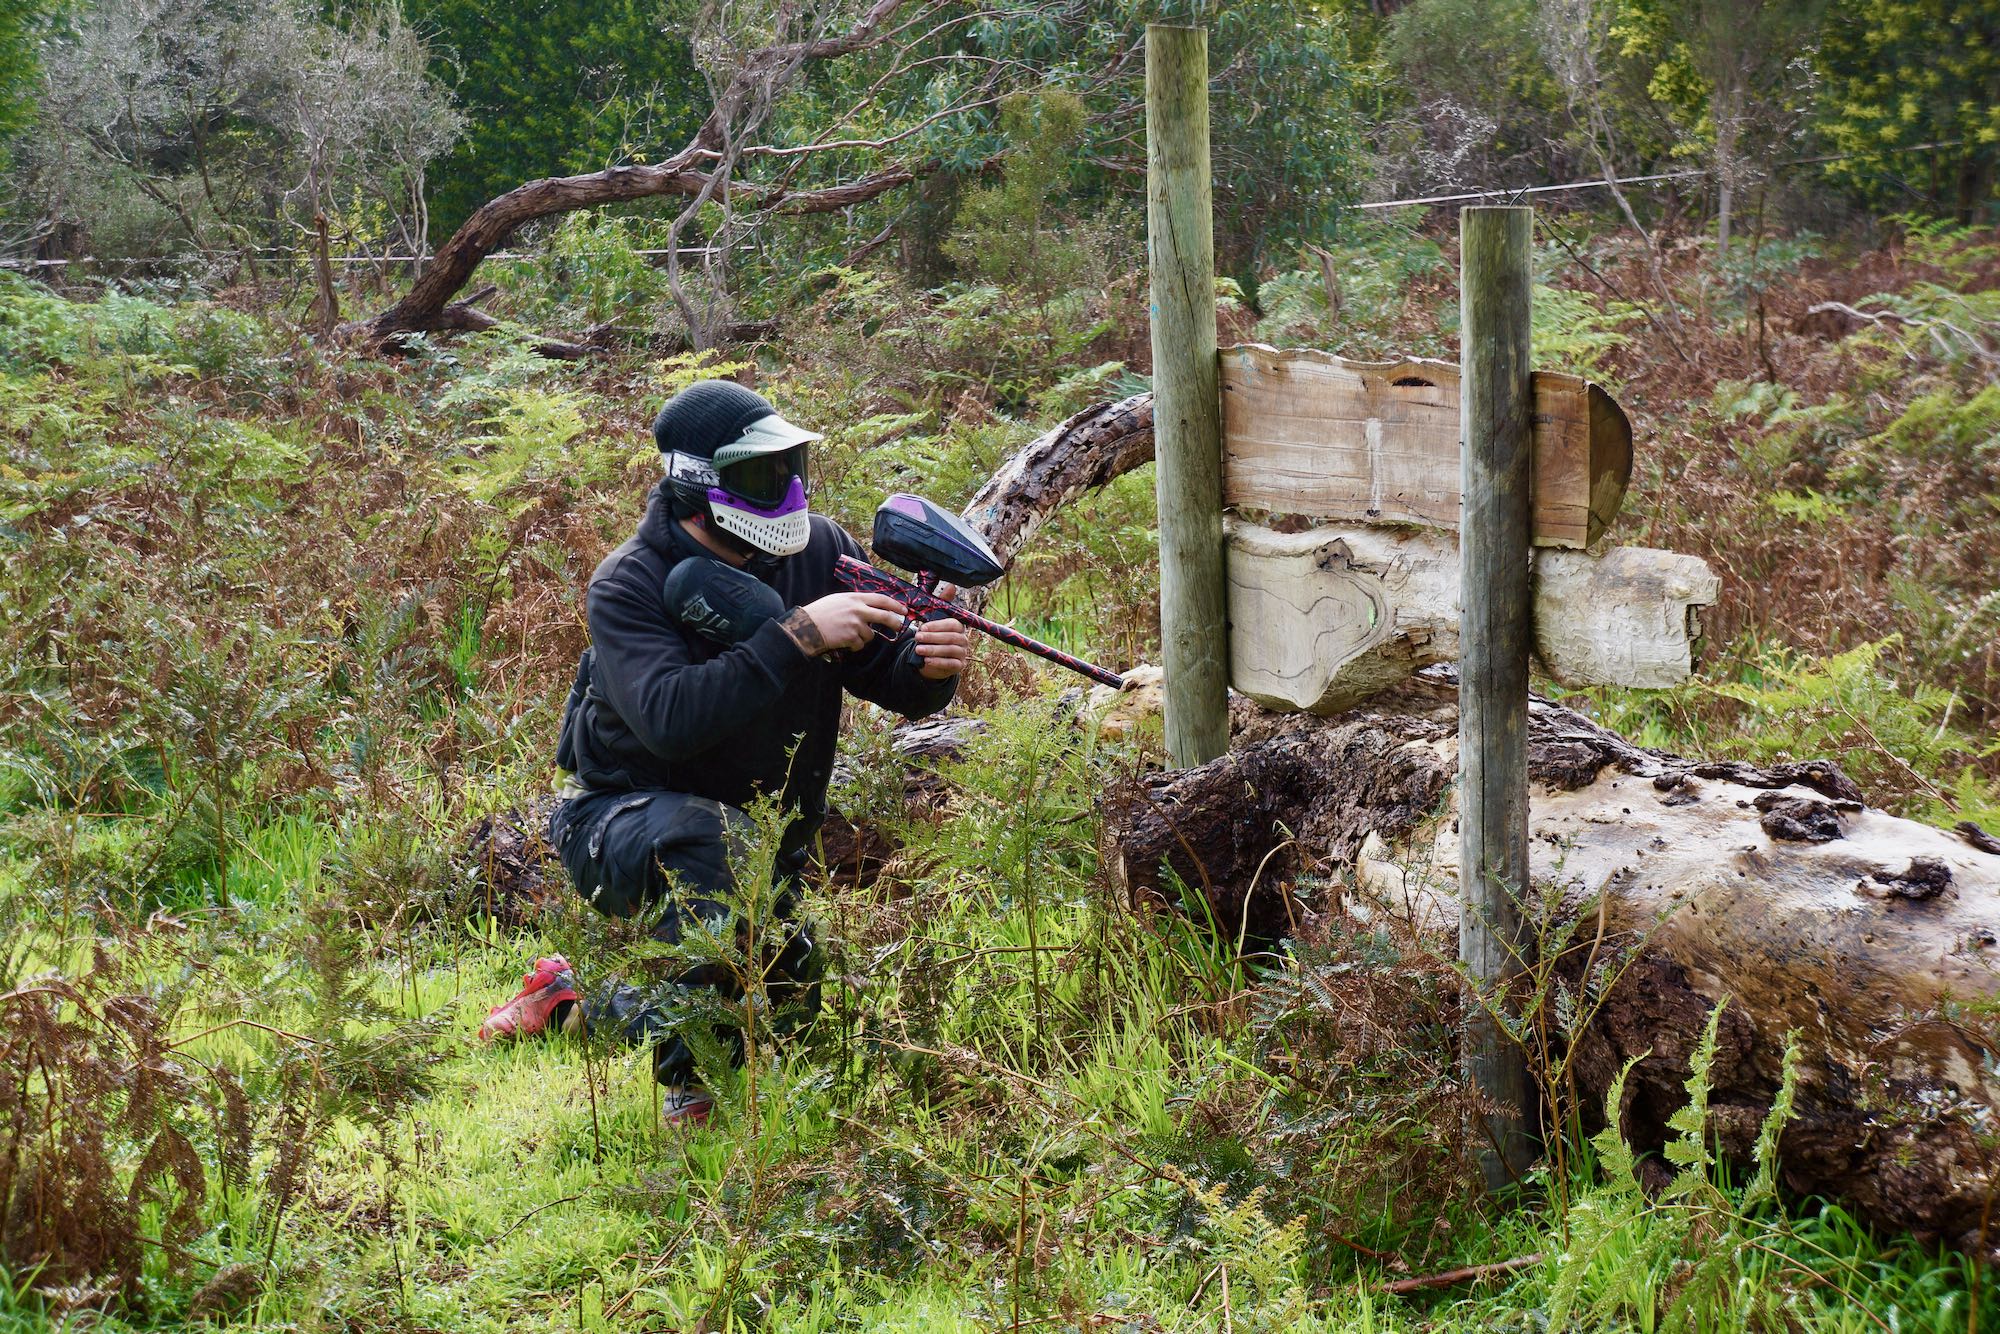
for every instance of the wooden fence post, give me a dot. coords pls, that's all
(1187, 425)
(1495, 631)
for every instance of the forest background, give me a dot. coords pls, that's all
(286, 613)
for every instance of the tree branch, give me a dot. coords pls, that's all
(700, 170)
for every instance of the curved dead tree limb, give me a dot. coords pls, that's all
(1775, 892)
(430, 307)
(1084, 452)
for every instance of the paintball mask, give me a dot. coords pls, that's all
(732, 460)
(754, 488)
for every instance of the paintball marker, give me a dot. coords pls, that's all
(935, 544)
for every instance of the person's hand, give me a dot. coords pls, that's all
(944, 645)
(849, 620)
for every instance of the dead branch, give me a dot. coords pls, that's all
(699, 171)
(1403, 1287)
(1087, 451)
(1969, 341)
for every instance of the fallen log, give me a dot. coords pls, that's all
(1776, 890)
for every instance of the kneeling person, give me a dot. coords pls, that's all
(720, 647)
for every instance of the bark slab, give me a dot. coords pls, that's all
(1323, 619)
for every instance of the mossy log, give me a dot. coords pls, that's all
(1778, 893)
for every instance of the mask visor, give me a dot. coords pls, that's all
(765, 480)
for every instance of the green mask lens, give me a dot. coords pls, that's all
(763, 479)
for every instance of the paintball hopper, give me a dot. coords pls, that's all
(920, 537)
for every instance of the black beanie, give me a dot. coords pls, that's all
(704, 417)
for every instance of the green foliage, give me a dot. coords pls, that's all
(1484, 57)
(1887, 733)
(20, 30)
(1751, 271)
(122, 335)
(1381, 271)
(1007, 232)
(281, 624)
(554, 87)
(1900, 73)
(1655, 1258)
(1576, 332)
(235, 127)
(1264, 1257)
(590, 271)
(1280, 179)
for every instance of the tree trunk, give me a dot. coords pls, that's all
(325, 313)
(1728, 132)
(1777, 891)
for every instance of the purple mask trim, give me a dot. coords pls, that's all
(794, 501)
(905, 504)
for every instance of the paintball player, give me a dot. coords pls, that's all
(720, 646)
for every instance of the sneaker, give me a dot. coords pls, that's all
(542, 992)
(686, 1105)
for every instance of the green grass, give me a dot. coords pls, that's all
(960, 1143)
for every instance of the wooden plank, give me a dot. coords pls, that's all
(1306, 432)
(1324, 619)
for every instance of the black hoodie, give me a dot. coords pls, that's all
(665, 708)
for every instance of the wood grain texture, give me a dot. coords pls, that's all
(1306, 432)
(1496, 636)
(1180, 253)
(1324, 619)
(1327, 618)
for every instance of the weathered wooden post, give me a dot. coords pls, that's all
(1496, 633)
(1187, 428)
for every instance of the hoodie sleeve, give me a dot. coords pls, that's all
(888, 671)
(675, 705)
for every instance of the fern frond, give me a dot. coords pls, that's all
(1763, 1185)
(1689, 1151)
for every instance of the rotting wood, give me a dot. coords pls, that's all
(1854, 943)
(1306, 432)
(1086, 451)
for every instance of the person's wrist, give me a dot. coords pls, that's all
(804, 631)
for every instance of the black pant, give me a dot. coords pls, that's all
(629, 852)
